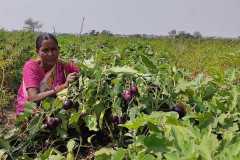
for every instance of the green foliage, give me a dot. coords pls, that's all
(200, 74)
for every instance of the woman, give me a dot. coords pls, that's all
(46, 75)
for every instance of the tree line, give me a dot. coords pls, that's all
(34, 25)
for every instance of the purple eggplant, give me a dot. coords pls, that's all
(51, 122)
(68, 104)
(180, 109)
(127, 96)
(134, 89)
(115, 120)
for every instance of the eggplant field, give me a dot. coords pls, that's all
(135, 98)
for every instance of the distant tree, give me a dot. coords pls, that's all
(106, 32)
(93, 32)
(172, 33)
(183, 34)
(145, 35)
(136, 35)
(197, 34)
(32, 25)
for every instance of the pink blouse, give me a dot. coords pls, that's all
(32, 76)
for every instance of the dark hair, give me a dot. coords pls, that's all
(45, 36)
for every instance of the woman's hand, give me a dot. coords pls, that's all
(34, 95)
(70, 78)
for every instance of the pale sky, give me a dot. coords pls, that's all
(210, 17)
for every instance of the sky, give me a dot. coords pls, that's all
(209, 17)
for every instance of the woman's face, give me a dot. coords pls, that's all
(48, 52)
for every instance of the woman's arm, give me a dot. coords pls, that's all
(34, 95)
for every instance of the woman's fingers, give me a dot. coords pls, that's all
(71, 76)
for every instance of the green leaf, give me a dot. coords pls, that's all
(133, 112)
(4, 144)
(172, 156)
(208, 146)
(44, 155)
(56, 157)
(70, 156)
(28, 110)
(51, 154)
(70, 145)
(235, 99)
(3, 154)
(73, 120)
(209, 91)
(230, 150)
(104, 150)
(156, 143)
(184, 140)
(141, 120)
(99, 111)
(147, 157)
(149, 64)
(57, 103)
(119, 154)
(21, 118)
(182, 86)
(46, 105)
(103, 157)
(91, 122)
(104, 154)
(100, 119)
(144, 156)
(35, 125)
(125, 69)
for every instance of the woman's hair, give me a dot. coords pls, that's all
(45, 36)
